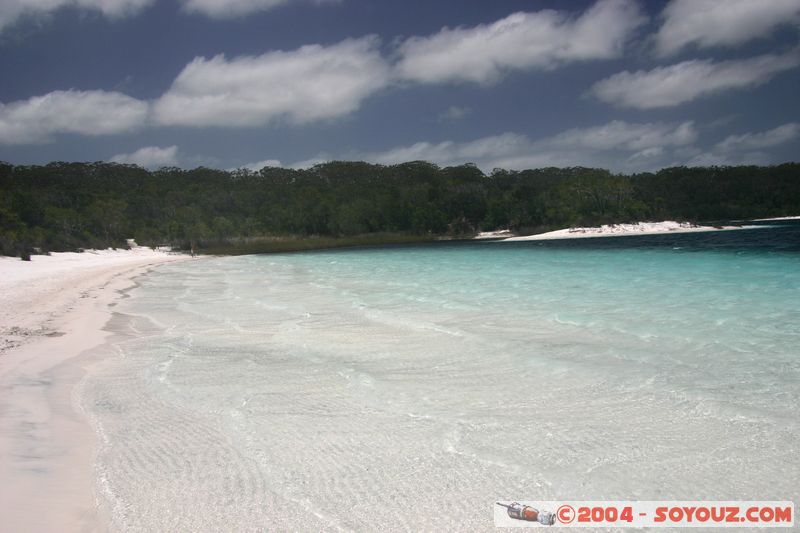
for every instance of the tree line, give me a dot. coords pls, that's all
(66, 206)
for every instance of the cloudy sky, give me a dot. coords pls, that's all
(622, 84)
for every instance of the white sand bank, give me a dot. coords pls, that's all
(52, 310)
(776, 218)
(617, 230)
(499, 234)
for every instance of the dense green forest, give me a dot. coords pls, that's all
(65, 206)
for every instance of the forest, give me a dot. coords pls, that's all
(68, 206)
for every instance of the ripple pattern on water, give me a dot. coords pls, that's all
(410, 389)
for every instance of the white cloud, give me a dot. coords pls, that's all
(647, 153)
(454, 113)
(747, 148)
(255, 167)
(626, 136)
(230, 8)
(707, 23)
(11, 10)
(111, 8)
(311, 83)
(757, 141)
(310, 162)
(617, 145)
(36, 119)
(542, 39)
(686, 81)
(150, 157)
(238, 8)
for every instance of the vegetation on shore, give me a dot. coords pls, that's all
(65, 206)
(264, 245)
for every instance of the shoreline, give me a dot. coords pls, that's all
(54, 310)
(625, 230)
(776, 219)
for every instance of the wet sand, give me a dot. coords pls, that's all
(53, 310)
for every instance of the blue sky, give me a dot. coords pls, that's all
(622, 84)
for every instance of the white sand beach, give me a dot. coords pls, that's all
(52, 310)
(777, 218)
(618, 230)
(498, 234)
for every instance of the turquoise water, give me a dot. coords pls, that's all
(409, 388)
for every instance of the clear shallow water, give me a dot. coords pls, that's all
(410, 388)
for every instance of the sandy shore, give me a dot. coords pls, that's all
(498, 234)
(777, 218)
(52, 310)
(618, 230)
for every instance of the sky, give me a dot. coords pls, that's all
(628, 85)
